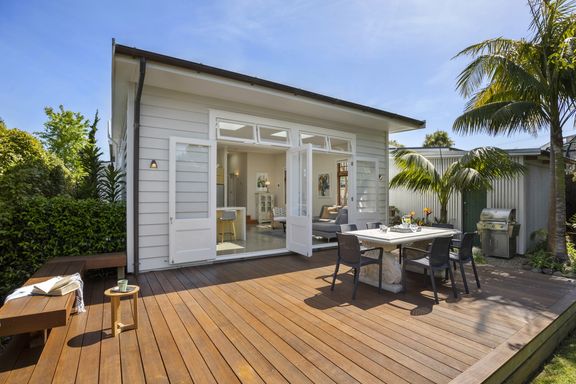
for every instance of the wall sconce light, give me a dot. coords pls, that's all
(237, 173)
(153, 164)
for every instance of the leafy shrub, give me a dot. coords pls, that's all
(37, 229)
(478, 255)
(544, 260)
(571, 249)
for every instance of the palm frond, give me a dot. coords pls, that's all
(501, 117)
(503, 69)
(417, 173)
(492, 163)
(491, 46)
(481, 166)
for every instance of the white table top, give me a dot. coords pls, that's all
(379, 236)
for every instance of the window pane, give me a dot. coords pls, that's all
(274, 135)
(367, 186)
(298, 194)
(192, 166)
(317, 141)
(235, 130)
(340, 145)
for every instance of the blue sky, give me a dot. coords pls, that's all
(389, 54)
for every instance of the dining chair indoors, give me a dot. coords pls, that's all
(373, 225)
(437, 258)
(465, 256)
(350, 254)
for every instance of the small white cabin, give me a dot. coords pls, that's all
(198, 142)
(528, 194)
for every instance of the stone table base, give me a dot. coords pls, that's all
(391, 269)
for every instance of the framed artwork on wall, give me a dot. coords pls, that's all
(324, 185)
(261, 179)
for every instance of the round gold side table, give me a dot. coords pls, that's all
(117, 326)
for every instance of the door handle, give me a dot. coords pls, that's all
(171, 220)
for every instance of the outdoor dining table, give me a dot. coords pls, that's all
(393, 274)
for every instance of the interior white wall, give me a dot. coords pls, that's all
(237, 164)
(324, 163)
(260, 163)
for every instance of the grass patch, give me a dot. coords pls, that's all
(561, 369)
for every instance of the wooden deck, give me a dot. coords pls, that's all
(276, 320)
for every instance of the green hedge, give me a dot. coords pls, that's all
(37, 229)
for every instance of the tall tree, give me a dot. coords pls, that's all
(26, 169)
(89, 186)
(65, 135)
(527, 85)
(438, 139)
(474, 171)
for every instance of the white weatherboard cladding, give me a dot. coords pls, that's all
(166, 113)
(163, 114)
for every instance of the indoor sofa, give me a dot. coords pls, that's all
(328, 229)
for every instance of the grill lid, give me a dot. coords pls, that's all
(498, 214)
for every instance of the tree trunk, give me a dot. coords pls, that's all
(444, 213)
(557, 204)
(558, 239)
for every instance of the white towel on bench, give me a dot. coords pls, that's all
(26, 290)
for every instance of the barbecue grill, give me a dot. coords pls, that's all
(498, 232)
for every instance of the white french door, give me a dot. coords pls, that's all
(364, 183)
(192, 200)
(299, 200)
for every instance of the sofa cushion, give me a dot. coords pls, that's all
(342, 217)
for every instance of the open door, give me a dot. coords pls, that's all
(192, 200)
(364, 186)
(299, 200)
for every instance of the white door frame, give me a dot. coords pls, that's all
(201, 230)
(298, 215)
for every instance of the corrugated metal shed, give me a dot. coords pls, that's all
(528, 194)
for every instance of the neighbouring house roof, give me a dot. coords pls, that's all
(211, 81)
(569, 146)
(455, 152)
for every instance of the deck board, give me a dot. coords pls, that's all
(275, 320)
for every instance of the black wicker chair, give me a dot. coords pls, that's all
(350, 254)
(373, 225)
(465, 256)
(437, 258)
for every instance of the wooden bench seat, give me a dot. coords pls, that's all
(37, 313)
(102, 260)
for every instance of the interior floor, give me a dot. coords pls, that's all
(259, 237)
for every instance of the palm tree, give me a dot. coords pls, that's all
(528, 85)
(476, 170)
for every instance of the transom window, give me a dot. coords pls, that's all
(317, 141)
(231, 126)
(273, 135)
(338, 144)
(236, 131)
